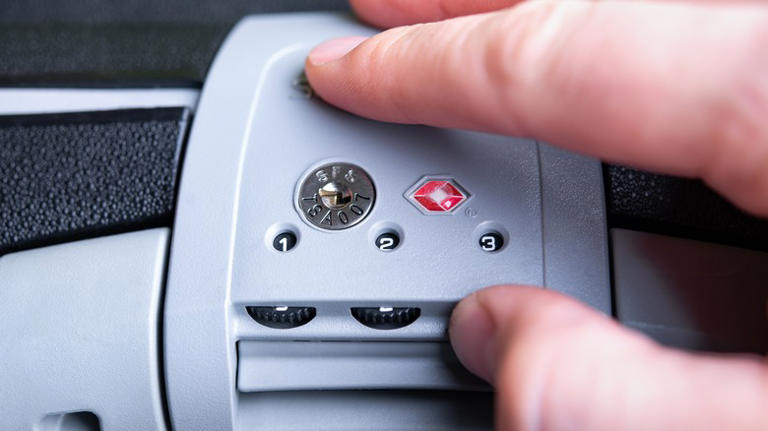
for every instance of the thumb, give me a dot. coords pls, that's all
(557, 364)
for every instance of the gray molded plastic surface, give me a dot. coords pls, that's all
(290, 365)
(79, 324)
(575, 236)
(256, 134)
(366, 410)
(691, 294)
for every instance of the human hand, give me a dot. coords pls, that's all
(679, 88)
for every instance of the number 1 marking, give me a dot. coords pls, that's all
(284, 242)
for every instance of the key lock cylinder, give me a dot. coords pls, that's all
(336, 196)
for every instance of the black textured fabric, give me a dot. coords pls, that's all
(122, 42)
(680, 207)
(71, 176)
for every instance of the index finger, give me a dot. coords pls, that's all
(675, 88)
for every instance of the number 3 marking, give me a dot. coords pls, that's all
(489, 243)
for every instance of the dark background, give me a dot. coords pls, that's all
(134, 43)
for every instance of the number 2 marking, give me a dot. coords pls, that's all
(386, 243)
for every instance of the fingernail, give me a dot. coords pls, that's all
(473, 334)
(333, 49)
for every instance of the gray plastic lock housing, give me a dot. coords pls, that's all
(256, 135)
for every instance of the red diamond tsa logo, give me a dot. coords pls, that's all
(437, 195)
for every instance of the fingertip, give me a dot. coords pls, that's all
(332, 50)
(483, 323)
(476, 323)
(472, 332)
